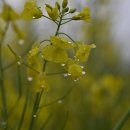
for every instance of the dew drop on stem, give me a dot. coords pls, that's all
(60, 101)
(30, 78)
(21, 42)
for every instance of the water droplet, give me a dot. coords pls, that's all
(21, 42)
(75, 80)
(83, 73)
(33, 17)
(63, 65)
(82, 67)
(65, 75)
(69, 74)
(19, 63)
(30, 79)
(60, 101)
(34, 116)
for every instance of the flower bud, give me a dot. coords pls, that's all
(66, 10)
(58, 5)
(72, 11)
(76, 17)
(65, 3)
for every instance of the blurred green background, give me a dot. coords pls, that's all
(95, 102)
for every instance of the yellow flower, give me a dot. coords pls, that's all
(75, 70)
(83, 15)
(61, 42)
(8, 13)
(52, 12)
(31, 11)
(56, 52)
(83, 51)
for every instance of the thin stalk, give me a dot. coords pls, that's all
(65, 121)
(3, 94)
(47, 120)
(18, 70)
(67, 36)
(123, 120)
(34, 112)
(22, 55)
(59, 25)
(19, 80)
(24, 111)
(50, 19)
(58, 99)
(66, 22)
(66, 18)
(37, 102)
(45, 41)
(26, 65)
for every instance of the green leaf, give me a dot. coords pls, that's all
(31, 11)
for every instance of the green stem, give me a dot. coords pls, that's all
(39, 95)
(19, 80)
(47, 120)
(65, 121)
(67, 36)
(3, 94)
(123, 120)
(33, 115)
(45, 41)
(59, 25)
(50, 19)
(66, 22)
(58, 99)
(18, 69)
(37, 102)
(24, 111)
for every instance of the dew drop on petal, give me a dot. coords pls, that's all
(83, 73)
(63, 65)
(33, 17)
(69, 74)
(75, 80)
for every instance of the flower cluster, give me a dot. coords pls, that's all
(58, 48)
